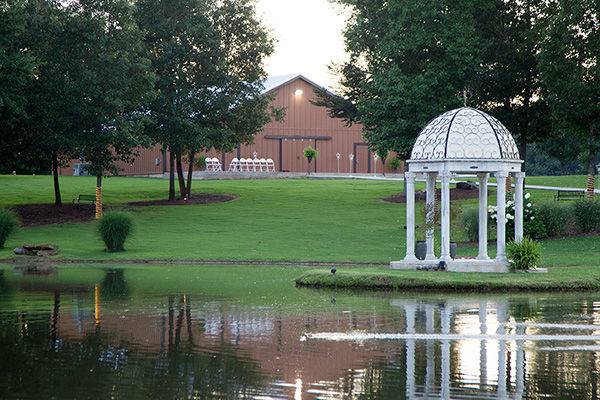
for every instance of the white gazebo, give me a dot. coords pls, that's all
(462, 141)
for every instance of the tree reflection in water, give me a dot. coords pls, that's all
(38, 363)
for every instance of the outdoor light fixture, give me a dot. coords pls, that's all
(375, 158)
(338, 155)
(298, 92)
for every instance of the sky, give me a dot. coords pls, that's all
(308, 36)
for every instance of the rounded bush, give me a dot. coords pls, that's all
(8, 225)
(114, 228)
(558, 219)
(524, 255)
(587, 215)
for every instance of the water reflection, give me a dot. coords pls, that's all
(109, 338)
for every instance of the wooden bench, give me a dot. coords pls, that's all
(84, 198)
(568, 195)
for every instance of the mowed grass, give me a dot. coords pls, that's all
(557, 279)
(277, 219)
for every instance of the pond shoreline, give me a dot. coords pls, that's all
(448, 281)
(24, 259)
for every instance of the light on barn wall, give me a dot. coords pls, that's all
(298, 92)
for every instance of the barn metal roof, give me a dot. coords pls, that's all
(273, 82)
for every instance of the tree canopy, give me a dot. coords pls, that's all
(209, 61)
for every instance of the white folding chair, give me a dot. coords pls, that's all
(217, 164)
(234, 165)
(262, 164)
(208, 164)
(243, 165)
(270, 165)
(255, 164)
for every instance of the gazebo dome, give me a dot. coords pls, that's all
(464, 134)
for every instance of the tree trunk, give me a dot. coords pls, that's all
(190, 174)
(57, 197)
(180, 177)
(591, 165)
(591, 175)
(308, 169)
(171, 176)
(98, 196)
(383, 166)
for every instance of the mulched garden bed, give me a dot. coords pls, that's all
(47, 214)
(200, 198)
(455, 194)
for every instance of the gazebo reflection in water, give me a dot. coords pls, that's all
(485, 365)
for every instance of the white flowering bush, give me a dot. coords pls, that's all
(532, 226)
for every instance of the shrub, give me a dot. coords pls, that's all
(557, 218)
(8, 224)
(395, 163)
(201, 161)
(587, 215)
(114, 228)
(310, 153)
(470, 221)
(532, 226)
(525, 255)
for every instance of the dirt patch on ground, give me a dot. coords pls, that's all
(455, 194)
(200, 198)
(46, 214)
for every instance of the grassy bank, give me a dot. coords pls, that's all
(557, 279)
(274, 220)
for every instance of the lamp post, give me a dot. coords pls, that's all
(351, 158)
(375, 158)
(338, 155)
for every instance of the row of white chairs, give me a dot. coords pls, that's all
(213, 164)
(252, 165)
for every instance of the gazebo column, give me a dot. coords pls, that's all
(410, 216)
(445, 178)
(520, 178)
(430, 201)
(483, 218)
(501, 216)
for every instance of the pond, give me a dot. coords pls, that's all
(183, 332)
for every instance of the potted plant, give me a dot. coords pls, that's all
(310, 154)
(430, 224)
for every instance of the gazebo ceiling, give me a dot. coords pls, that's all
(465, 134)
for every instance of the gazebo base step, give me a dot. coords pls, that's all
(456, 265)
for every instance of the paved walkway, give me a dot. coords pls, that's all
(320, 175)
(399, 177)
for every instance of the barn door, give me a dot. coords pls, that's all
(362, 158)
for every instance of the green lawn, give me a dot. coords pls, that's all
(557, 279)
(280, 220)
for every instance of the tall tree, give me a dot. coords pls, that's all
(16, 69)
(409, 61)
(208, 59)
(570, 67)
(91, 76)
(508, 84)
(118, 85)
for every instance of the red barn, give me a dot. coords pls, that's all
(304, 124)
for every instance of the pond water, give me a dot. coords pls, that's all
(150, 332)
